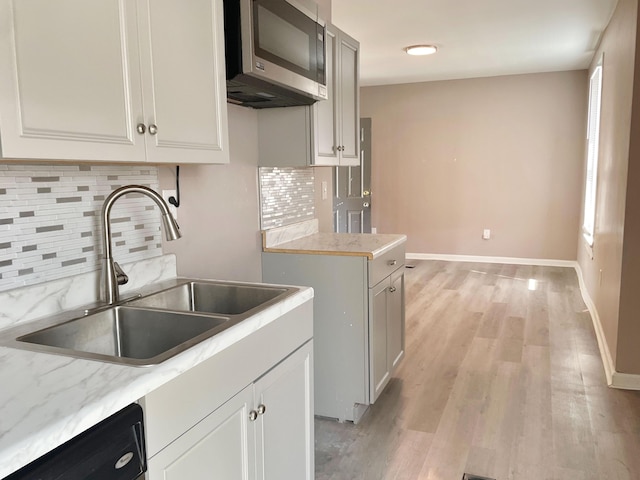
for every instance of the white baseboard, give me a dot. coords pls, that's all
(482, 259)
(615, 379)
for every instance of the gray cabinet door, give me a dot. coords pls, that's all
(284, 426)
(395, 320)
(378, 337)
(386, 330)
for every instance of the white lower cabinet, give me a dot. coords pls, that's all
(217, 447)
(264, 431)
(284, 429)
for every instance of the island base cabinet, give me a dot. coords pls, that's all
(217, 447)
(265, 432)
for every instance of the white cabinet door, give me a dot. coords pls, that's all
(116, 80)
(69, 80)
(284, 429)
(183, 81)
(220, 446)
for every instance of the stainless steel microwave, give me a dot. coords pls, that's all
(275, 53)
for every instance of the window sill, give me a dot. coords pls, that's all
(588, 244)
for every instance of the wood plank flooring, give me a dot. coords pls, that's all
(502, 378)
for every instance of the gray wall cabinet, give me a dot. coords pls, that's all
(358, 323)
(246, 413)
(326, 133)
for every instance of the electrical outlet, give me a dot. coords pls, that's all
(486, 234)
(374, 230)
(165, 195)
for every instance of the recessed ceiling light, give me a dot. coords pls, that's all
(421, 49)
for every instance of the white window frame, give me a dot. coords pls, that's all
(593, 143)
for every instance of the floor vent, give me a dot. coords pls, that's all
(471, 476)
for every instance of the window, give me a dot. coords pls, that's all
(593, 134)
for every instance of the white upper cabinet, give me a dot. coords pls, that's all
(326, 133)
(116, 80)
(183, 80)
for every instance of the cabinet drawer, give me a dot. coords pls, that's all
(386, 264)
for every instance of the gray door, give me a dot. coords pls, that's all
(352, 187)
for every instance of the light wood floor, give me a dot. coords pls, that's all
(498, 380)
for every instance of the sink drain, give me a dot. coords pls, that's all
(471, 476)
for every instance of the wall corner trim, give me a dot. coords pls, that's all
(615, 379)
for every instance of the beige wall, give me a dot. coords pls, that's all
(219, 213)
(452, 158)
(324, 208)
(603, 274)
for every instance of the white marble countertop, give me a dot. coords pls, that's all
(46, 399)
(349, 244)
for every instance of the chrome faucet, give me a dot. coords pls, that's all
(112, 274)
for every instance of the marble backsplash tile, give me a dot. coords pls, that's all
(18, 306)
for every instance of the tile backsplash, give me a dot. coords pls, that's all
(50, 224)
(286, 196)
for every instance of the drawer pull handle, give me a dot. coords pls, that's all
(392, 289)
(391, 263)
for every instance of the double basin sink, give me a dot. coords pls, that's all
(150, 329)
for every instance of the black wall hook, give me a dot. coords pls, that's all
(173, 200)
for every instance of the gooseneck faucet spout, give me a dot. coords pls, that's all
(112, 274)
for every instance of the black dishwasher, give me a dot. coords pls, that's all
(113, 449)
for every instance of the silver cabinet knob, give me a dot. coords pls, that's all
(391, 263)
(253, 415)
(341, 148)
(141, 128)
(366, 193)
(392, 289)
(365, 204)
(153, 129)
(261, 409)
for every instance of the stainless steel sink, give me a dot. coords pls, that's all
(149, 329)
(127, 335)
(216, 298)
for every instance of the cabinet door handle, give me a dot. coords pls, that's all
(261, 409)
(391, 263)
(253, 415)
(392, 289)
(153, 129)
(141, 128)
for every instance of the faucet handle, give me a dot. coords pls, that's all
(121, 277)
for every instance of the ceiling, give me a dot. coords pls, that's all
(475, 38)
